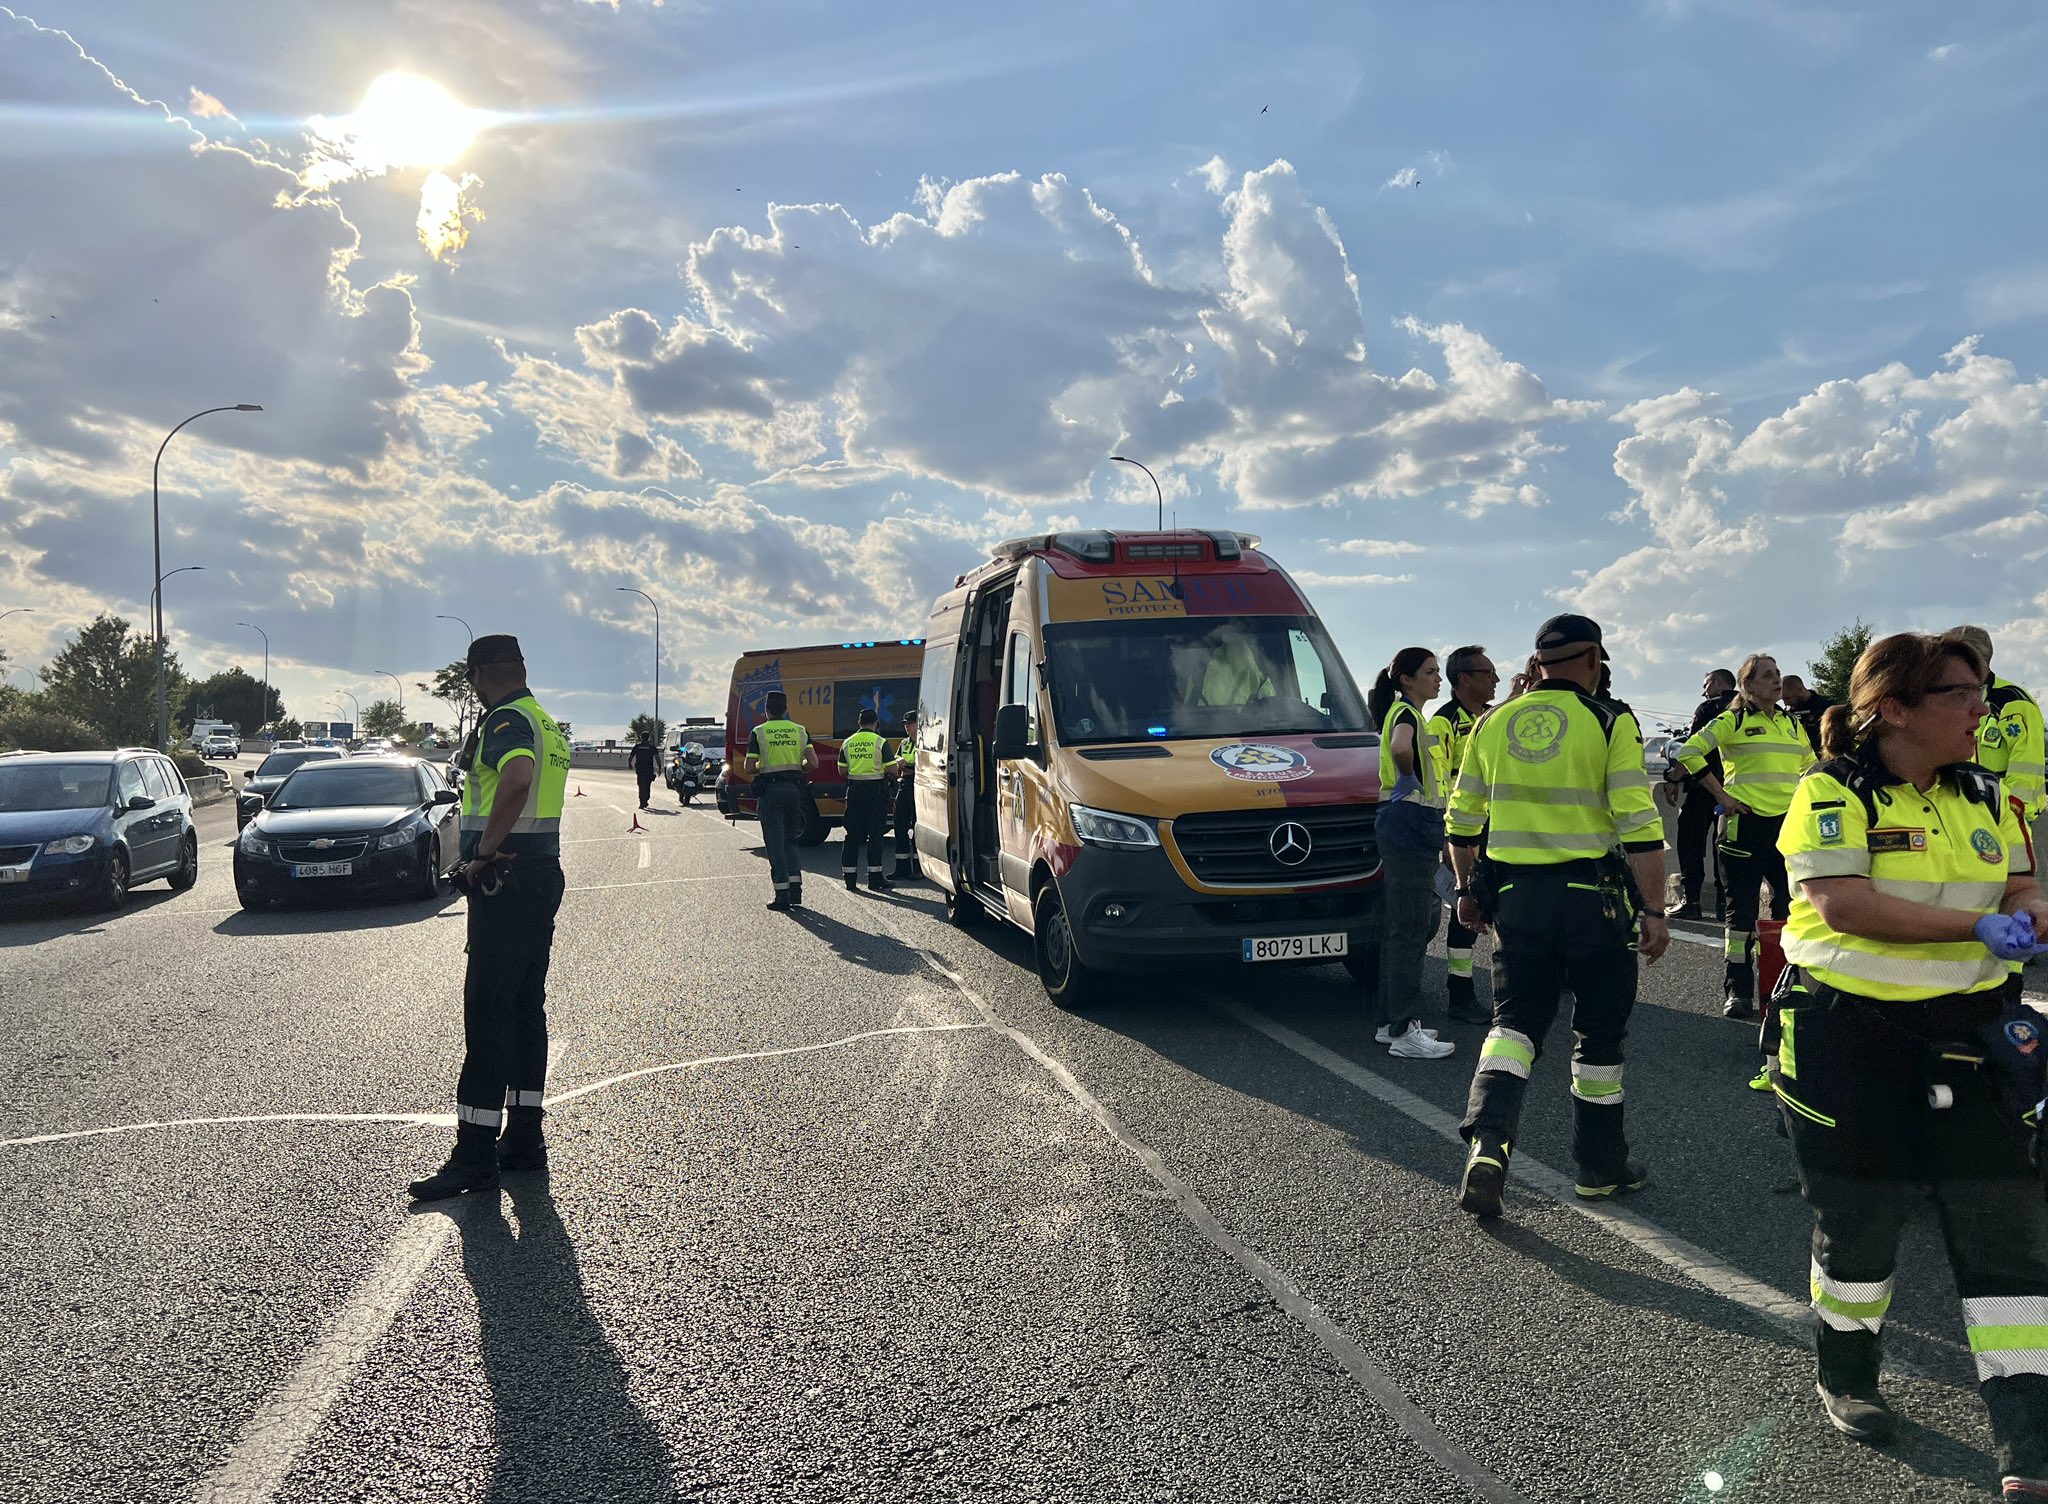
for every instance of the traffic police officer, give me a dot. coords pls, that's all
(1897, 1060)
(512, 871)
(1552, 782)
(903, 769)
(1763, 752)
(867, 795)
(780, 760)
(1473, 679)
(2010, 739)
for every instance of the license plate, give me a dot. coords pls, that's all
(323, 869)
(1297, 947)
(13, 874)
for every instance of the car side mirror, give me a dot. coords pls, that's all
(445, 796)
(139, 801)
(1013, 730)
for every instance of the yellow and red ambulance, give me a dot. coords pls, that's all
(828, 686)
(1144, 748)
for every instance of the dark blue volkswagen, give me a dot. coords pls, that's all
(86, 826)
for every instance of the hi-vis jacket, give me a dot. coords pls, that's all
(518, 727)
(1764, 753)
(1429, 772)
(2010, 744)
(1558, 773)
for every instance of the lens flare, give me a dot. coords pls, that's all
(403, 121)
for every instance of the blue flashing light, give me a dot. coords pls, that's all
(1155, 731)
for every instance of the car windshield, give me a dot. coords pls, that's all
(1179, 677)
(277, 764)
(54, 785)
(342, 784)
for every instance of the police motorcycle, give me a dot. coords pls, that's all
(691, 772)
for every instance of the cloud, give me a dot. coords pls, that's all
(1407, 177)
(206, 107)
(1945, 51)
(404, 123)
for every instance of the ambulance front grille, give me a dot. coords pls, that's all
(1224, 848)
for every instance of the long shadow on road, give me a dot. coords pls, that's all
(363, 914)
(32, 924)
(567, 1424)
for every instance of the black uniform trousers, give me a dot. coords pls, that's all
(1749, 859)
(1558, 927)
(905, 821)
(1855, 1077)
(867, 808)
(779, 802)
(646, 785)
(1695, 831)
(504, 993)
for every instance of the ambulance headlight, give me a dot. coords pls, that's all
(1101, 827)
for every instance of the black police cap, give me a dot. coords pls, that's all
(1568, 630)
(499, 647)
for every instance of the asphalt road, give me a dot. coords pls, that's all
(843, 1209)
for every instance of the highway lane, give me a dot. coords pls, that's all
(1200, 1244)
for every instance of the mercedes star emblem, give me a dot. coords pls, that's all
(1290, 844)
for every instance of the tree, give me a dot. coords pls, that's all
(648, 724)
(382, 718)
(289, 730)
(234, 697)
(451, 687)
(1837, 659)
(106, 677)
(24, 727)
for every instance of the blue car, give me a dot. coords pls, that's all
(88, 826)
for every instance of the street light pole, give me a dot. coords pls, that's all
(461, 707)
(359, 709)
(630, 590)
(156, 611)
(17, 611)
(264, 709)
(1122, 460)
(401, 691)
(156, 595)
(156, 530)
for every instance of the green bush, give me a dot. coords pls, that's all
(191, 765)
(29, 730)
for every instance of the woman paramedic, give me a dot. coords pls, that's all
(1900, 1060)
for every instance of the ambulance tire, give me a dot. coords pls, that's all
(1066, 981)
(815, 827)
(963, 909)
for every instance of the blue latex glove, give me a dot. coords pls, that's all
(2010, 937)
(1405, 785)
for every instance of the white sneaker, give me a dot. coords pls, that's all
(1419, 1044)
(1386, 1035)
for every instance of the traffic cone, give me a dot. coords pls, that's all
(579, 791)
(636, 825)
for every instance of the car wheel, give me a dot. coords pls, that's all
(251, 904)
(186, 873)
(429, 886)
(815, 827)
(1066, 981)
(113, 882)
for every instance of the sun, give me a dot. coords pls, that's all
(403, 121)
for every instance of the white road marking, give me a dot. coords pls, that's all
(1689, 1259)
(279, 1432)
(646, 855)
(619, 807)
(801, 1049)
(1337, 1342)
(409, 1119)
(1691, 939)
(663, 882)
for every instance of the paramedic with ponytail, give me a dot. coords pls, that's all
(1896, 1059)
(1409, 826)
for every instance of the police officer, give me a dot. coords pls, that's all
(780, 760)
(2009, 739)
(1551, 783)
(1897, 1060)
(1473, 679)
(644, 760)
(512, 870)
(1763, 752)
(867, 795)
(903, 769)
(1695, 805)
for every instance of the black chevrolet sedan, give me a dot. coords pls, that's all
(274, 770)
(346, 825)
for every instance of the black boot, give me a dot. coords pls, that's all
(1465, 1002)
(1847, 1384)
(1486, 1176)
(1630, 1177)
(879, 884)
(522, 1147)
(780, 903)
(851, 882)
(1737, 993)
(796, 895)
(472, 1167)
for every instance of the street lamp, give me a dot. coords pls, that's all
(1121, 460)
(263, 711)
(401, 690)
(156, 611)
(155, 596)
(17, 611)
(461, 623)
(631, 590)
(461, 706)
(359, 709)
(156, 529)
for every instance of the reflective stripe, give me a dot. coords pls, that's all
(1537, 793)
(1802, 865)
(2008, 1334)
(1850, 1305)
(1735, 944)
(1928, 976)
(483, 1116)
(1626, 825)
(1981, 897)
(523, 823)
(1788, 1052)
(525, 1098)
(1507, 1050)
(1801, 1108)
(1587, 843)
(1774, 777)
(1460, 962)
(1598, 1084)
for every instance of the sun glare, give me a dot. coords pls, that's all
(403, 121)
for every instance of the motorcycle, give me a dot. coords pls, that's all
(691, 772)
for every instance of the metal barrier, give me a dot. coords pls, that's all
(207, 788)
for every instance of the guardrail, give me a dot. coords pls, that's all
(207, 788)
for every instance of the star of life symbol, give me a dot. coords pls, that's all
(1535, 733)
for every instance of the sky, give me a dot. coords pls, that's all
(1722, 321)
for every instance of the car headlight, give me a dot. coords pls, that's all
(253, 844)
(1101, 827)
(405, 835)
(68, 846)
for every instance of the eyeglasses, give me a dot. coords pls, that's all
(1488, 672)
(1974, 691)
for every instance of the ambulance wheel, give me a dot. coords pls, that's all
(1066, 981)
(963, 910)
(815, 827)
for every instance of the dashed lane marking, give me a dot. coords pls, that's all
(1337, 1342)
(646, 855)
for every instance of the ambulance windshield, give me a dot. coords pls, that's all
(1182, 677)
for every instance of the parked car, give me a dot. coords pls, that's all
(344, 827)
(221, 744)
(88, 826)
(289, 744)
(271, 772)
